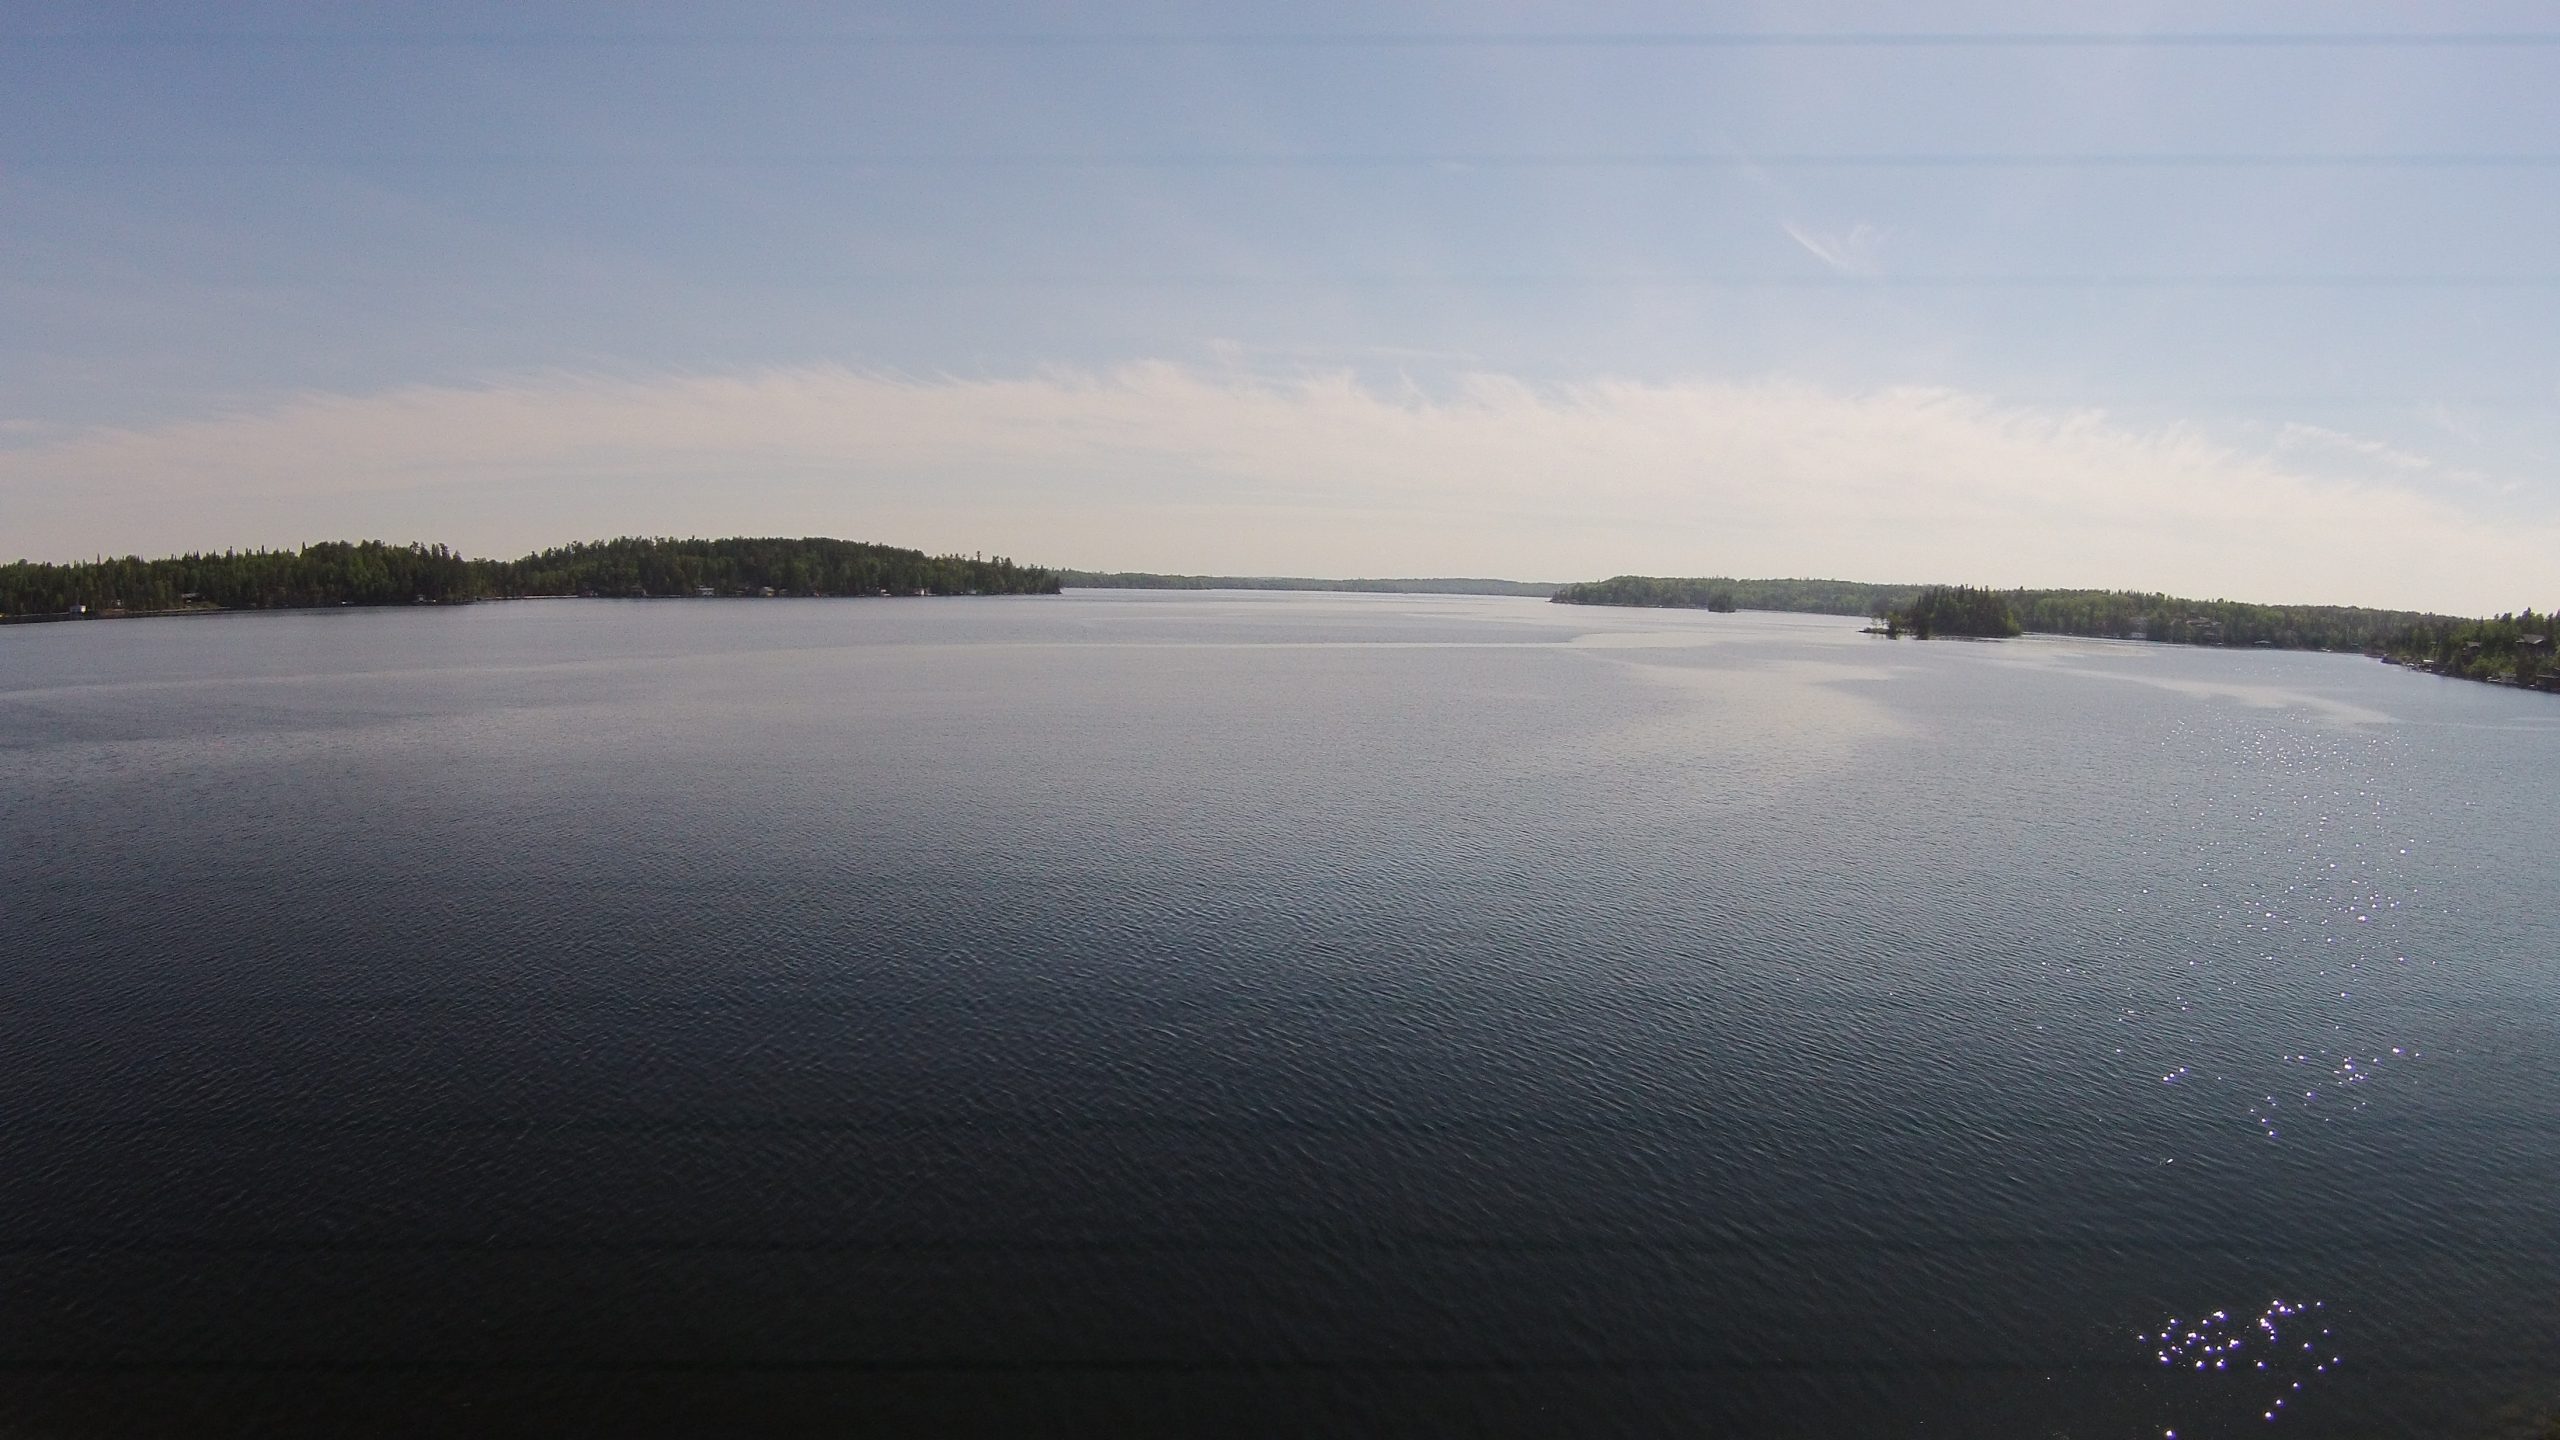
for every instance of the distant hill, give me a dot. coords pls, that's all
(1143, 580)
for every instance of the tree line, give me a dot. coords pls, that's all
(2138, 615)
(633, 567)
(1436, 585)
(1665, 592)
(2113, 614)
(1952, 610)
(1720, 592)
(370, 572)
(2510, 649)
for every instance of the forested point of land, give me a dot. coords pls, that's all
(1146, 580)
(371, 572)
(2511, 649)
(2107, 614)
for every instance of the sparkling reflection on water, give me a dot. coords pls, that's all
(1176, 1012)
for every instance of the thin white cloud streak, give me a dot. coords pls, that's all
(1160, 466)
(1851, 251)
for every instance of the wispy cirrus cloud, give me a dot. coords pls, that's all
(1854, 251)
(1162, 466)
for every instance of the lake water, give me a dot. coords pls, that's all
(1185, 1013)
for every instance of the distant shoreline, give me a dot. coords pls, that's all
(371, 573)
(1436, 585)
(336, 607)
(2515, 649)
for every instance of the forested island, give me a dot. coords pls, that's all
(371, 572)
(1953, 610)
(1148, 580)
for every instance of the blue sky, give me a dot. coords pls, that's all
(1542, 291)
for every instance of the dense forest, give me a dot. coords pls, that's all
(373, 573)
(1953, 610)
(1147, 580)
(1705, 594)
(1812, 597)
(2134, 615)
(334, 573)
(753, 567)
(2116, 614)
(2507, 650)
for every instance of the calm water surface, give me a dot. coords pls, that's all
(1277, 1013)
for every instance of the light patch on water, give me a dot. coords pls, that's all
(1651, 640)
(1750, 733)
(2266, 1362)
(2134, 660)
(2258, 697)
(2328, 1086)
(1785, 697)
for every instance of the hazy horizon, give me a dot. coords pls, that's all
(2246, 301)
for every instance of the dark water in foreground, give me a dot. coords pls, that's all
(1268, 1014)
